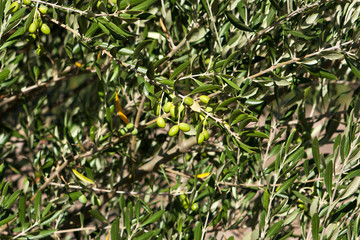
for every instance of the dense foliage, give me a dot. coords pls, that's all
(153, 119)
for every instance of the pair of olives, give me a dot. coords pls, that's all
(44, 28)
(185, 203)
(127, 128)
(174, 129)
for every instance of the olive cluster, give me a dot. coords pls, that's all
(127, 128)
(37, 23)
(177, 111)
(186, 203)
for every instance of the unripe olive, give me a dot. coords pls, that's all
(40, 50)
(206, 135)
(173, 111)
(27, 2)
(43, 9)
(15, 6)
(31, 37)
(157, 109)
(188, 101)
(167, 107)
(184, 127)
(45, 29)
(135, 131)
(183, 197)
(37, 22)
(173, 130)
(83, 199)
(204, 99)
(209, 109)
(129, 126)
(194, 206)
(201, 138)
(114, 1)
(160, 122)
(32, 28)
(122, 132)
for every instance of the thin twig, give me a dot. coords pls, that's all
(136, 125)
(102, 190)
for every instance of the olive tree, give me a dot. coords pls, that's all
(153, 119)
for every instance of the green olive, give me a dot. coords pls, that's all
(173, 111)
(201, 138)
(173, 130)
(188, 101)
(32, 28)
(160, 122)
(14, 6)
(129, 126)
(206, 135)
(183, 197)
(157, 109)
(45, 29)
(209, 109)
(31, 37)
(204, 99)
(40, 50)
(167, 107)
(83, 199)
(135, 131)
(43, 9)
(114, 1)
(194, 206)
(122, 131)
(27, 2)
(184, 127)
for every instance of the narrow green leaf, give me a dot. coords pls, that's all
(295, 156)
(10, 201)
(328, 177)
(140, 47)
(231, 84)
(351, 189)
(225, 104)
(237, 22)
(274, 229)
(205, 88)
(22, 211)
(96, 214)
(316, 153)
(150, 72)
(319, 72)
(198, 231)
(315, 226)
(265, 199)
(51, 217)
(143, 5)
(287, 184)
(41, 234)
(160, 61)
(7, 220)
(37, 204)
(153, 218)
(302, 197)
(253, 102)
(115, 235)
(179, 70)
(353, 66)
(148, 235)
